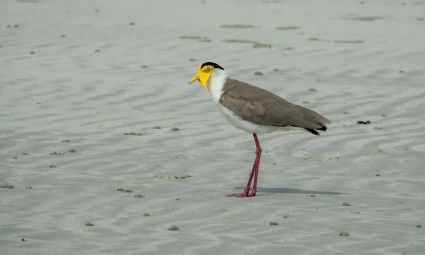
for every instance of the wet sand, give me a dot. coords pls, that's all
(105, 149)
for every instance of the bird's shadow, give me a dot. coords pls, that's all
(269, 191)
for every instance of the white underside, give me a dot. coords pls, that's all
(250, 127)
(215, 86)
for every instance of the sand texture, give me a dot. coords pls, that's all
(105, 149)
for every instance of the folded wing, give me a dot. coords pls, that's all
(265, 108)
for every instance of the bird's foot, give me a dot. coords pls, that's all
(242, 194)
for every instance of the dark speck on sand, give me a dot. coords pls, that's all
(125, 190)
(89, 224)
(259, 73)
(173, 228)
(134, 133)
(7, 186)
(344, 233)
(273, 223)
(56, 153)
(175, 129)
(361, 122)
(181, 177)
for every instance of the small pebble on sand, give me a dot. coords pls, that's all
(259, 73)
(134, 133)
(182, 177)
(173, 228)
(312, 89)
(7, 186)
(89, 224)
(273, 223)
(419, 226)
(344, 233)
(346, 204)
(56, 153)
(156, 127)
(363, 122)
(139, 196)
(125, 190)
(175, 129)
(146, 214)
(72, 151)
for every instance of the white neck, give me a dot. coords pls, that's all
(216, 83)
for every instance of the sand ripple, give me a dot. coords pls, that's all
(73, 83)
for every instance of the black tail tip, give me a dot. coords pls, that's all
(313, 130)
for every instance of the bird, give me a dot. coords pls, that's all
(256, 111)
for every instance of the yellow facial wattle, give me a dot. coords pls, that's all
(203, 75)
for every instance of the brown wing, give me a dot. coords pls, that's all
(265, 108)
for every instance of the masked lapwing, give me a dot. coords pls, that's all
(256, 111)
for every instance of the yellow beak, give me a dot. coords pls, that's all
(194, 78)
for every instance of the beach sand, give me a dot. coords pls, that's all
(105, 149)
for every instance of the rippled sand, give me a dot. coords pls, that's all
(105, 149)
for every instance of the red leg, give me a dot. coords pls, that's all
(257, 165)
(254, 173)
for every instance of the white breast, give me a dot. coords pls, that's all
(216, 84)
